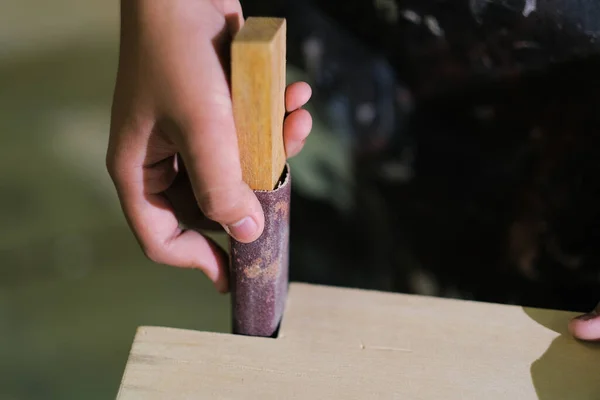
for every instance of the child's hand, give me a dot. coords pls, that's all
(171, 97)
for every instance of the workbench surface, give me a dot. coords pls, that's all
(355, 344)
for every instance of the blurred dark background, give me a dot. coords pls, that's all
(471, 135)
(454, 153)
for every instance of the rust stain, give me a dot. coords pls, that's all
(254, 271)
(283, 208)
(272, 271)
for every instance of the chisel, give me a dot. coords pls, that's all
(259, 270)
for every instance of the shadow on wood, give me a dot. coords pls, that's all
(358, 344)
(563, 371)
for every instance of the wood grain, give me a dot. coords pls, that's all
(258, 62)
(353, 344)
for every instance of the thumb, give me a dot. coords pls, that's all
(213, 165)
(199, 103)
(235, 207)
(208, 146)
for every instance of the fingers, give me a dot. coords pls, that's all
(159, 176)
(155, 226)
(209, 150)
(587, 326)
(158, 233)
(296, 95)
(296, 128)
(298, 123)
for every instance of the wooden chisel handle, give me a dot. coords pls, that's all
(258, 66)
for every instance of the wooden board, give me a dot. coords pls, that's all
(351, 344)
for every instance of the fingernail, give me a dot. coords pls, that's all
(245, 229)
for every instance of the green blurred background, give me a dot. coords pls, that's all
(74, 286)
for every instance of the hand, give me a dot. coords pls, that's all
(172, 105)
(587, 326)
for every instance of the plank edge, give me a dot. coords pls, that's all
(298, 286)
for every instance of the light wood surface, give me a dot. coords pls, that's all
(258, 60)
(350, 344)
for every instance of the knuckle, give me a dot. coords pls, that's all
(110, 164)
(116, 164)
(154, 253)
(216, 211)
(221, 205)
(111, 159)
(160, 177)
(216, 110)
